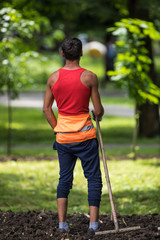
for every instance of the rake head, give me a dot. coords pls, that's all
(119, 230)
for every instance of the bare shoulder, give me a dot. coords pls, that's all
(53, 78)
(89, 78)
(89, 74)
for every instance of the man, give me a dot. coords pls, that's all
(72, 87)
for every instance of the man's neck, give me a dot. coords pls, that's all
(71, 64)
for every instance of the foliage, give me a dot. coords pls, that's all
(89, 16)
(14, 47)
(32, 186)
(15, 32)
(82, 16)
(133, 63)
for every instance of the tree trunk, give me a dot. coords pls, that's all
(135, 133)
(149, 125)
(9, 137)
(149, 121)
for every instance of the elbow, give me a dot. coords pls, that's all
(45, 110)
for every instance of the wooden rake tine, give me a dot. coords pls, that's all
(110, 190)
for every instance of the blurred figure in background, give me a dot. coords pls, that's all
(109, 59)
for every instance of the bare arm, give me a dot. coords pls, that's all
(47, 107)
(90, 80)
(98, 108)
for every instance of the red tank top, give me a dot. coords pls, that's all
(71, 95)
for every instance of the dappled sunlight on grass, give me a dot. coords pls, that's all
(135, 186)
(17, 125)
(124, 101)
(117, 129)
(109, 121)
(133, 174)
(32, 185)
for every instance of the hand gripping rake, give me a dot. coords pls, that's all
(113, 212)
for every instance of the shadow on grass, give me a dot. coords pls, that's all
(155, 163)
(19, 192)
(133, 202)
(23, 193)
(28, 136)
(39, 135)
(117, 135)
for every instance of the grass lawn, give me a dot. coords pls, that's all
(32, 135)
(32, 185)
(117, 100)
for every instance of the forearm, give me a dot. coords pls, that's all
(49, 114)
(98, 108)
(96, 100)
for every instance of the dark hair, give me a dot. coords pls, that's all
(72, 48)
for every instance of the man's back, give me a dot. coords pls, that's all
(88, 79)
(71, 95)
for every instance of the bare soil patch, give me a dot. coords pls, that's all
(35, 225)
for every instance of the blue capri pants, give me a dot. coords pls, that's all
(88, 153)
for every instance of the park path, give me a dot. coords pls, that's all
(35, 100)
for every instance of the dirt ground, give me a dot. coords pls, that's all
(34, 225)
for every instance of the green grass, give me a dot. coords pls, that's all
(29, 126)
(32, 135)
(112, 153)
(32, 185)
(147, 151)
(117, 100)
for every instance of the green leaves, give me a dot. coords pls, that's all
(133, 63)
(13, 25)
(137, 27)
(15, 33)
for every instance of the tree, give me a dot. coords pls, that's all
(149, 121)
(92, 17)
(14, 50)
(133, 65)
(71, 17)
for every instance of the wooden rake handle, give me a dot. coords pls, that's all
(107, 177)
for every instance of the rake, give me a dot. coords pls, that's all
(113, 212)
